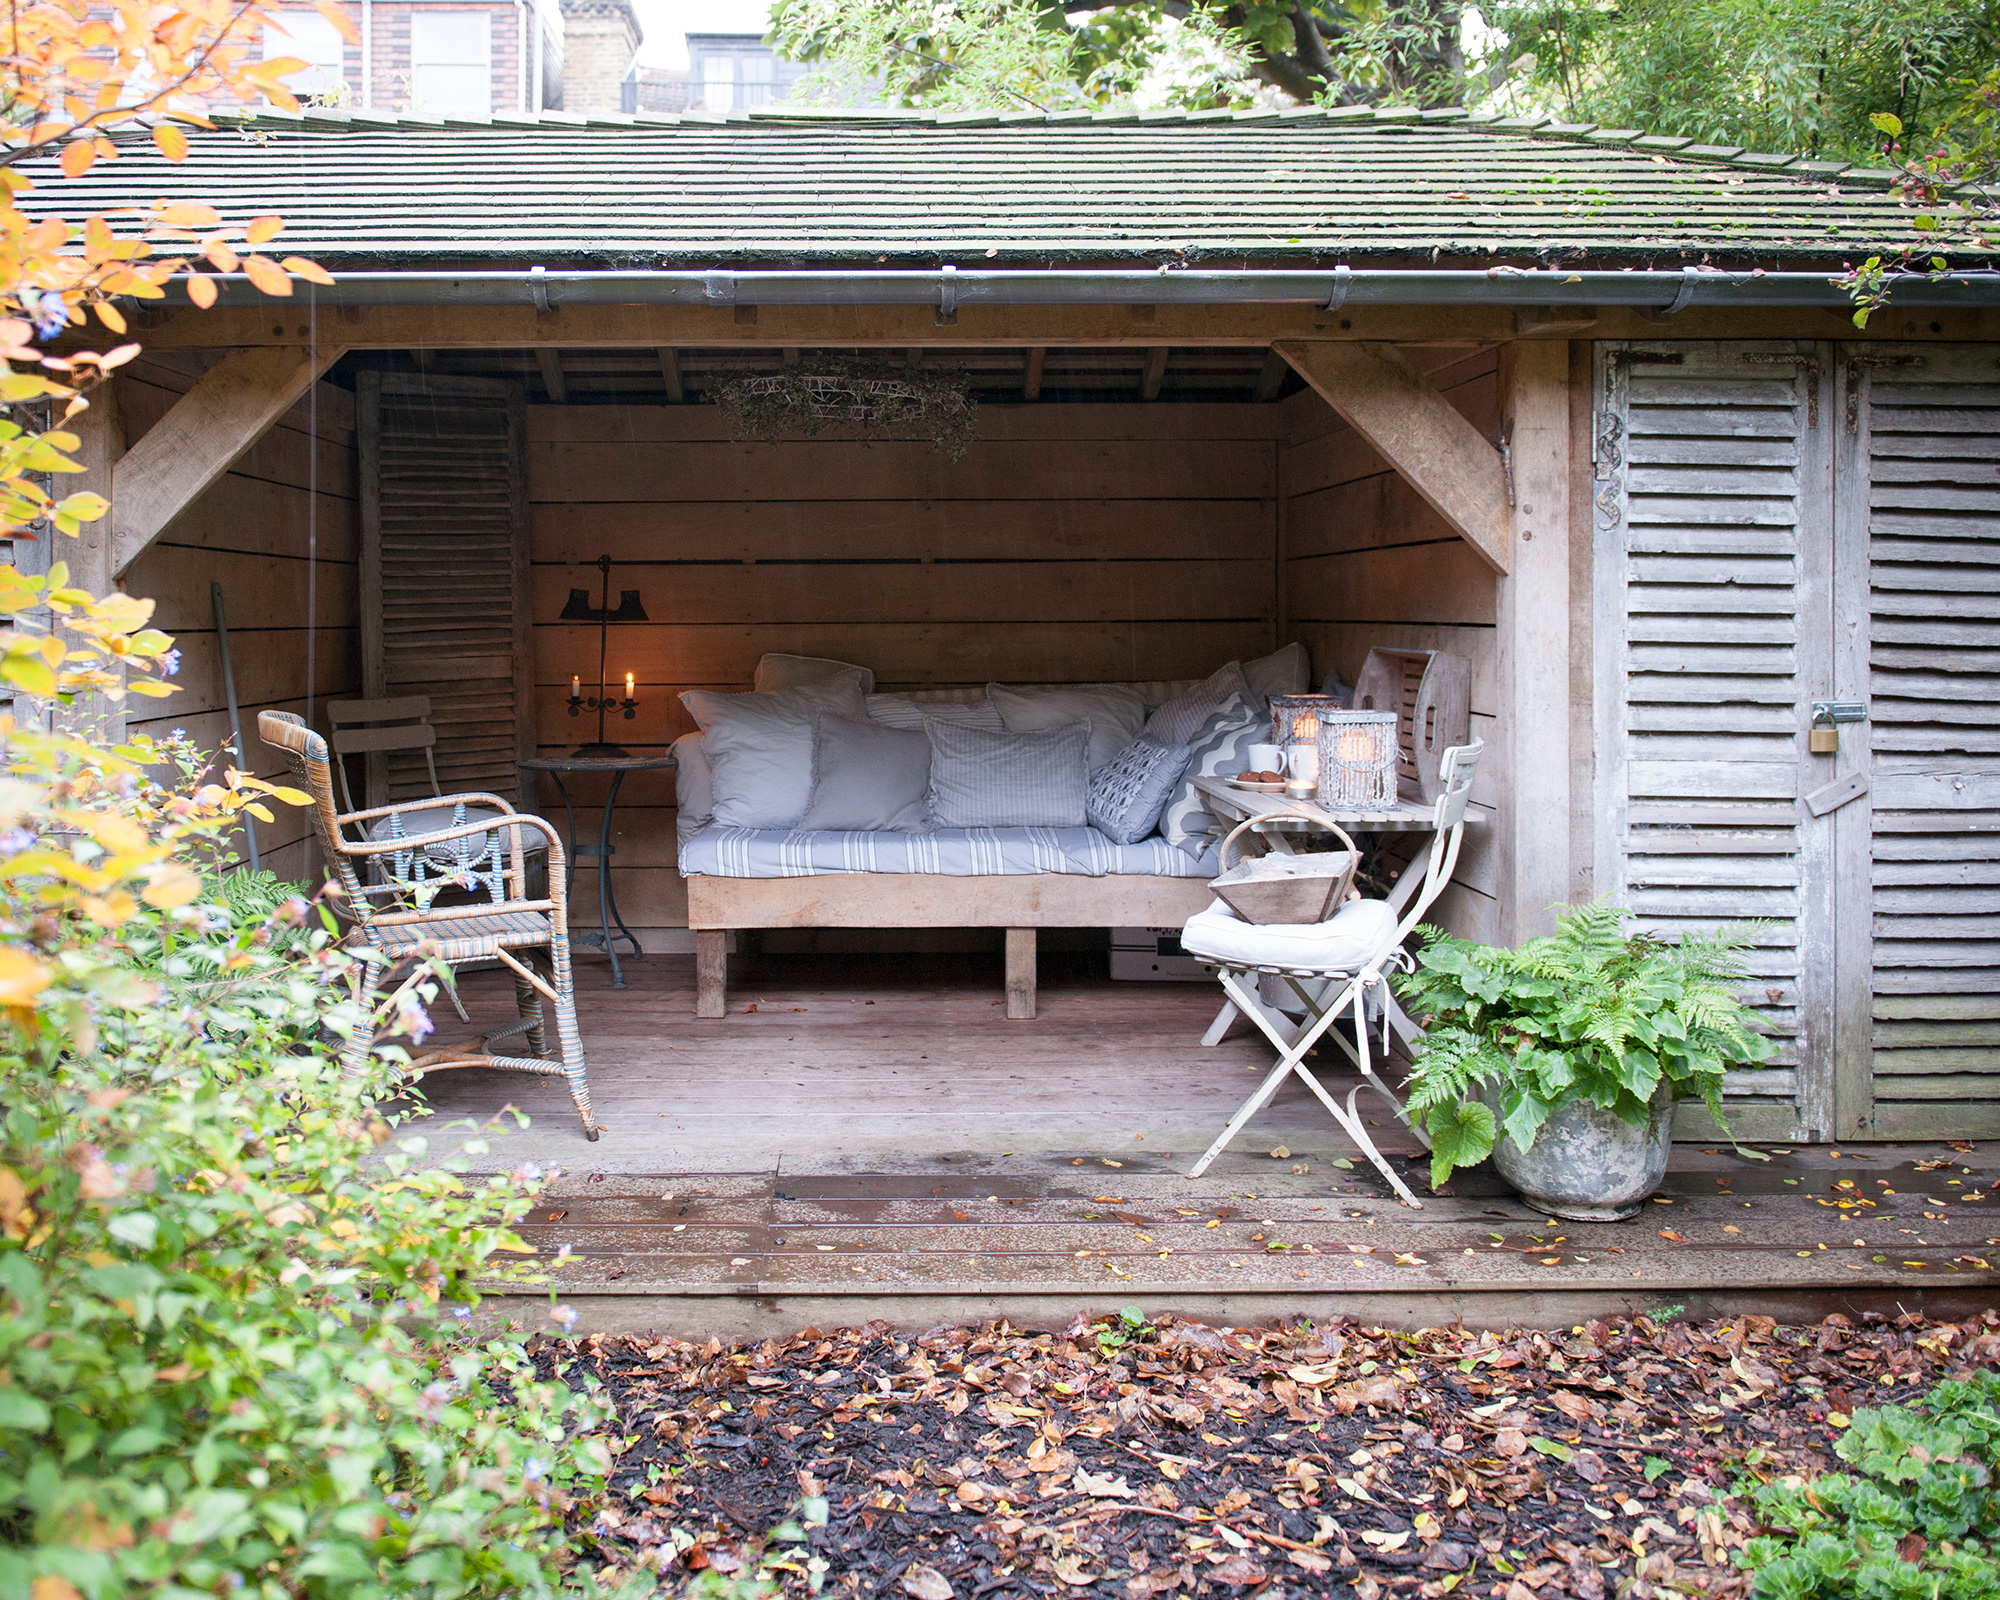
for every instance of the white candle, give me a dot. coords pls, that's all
(628, 686)
(575, 686)
(1304, 762)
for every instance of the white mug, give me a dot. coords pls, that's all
(1267, 758)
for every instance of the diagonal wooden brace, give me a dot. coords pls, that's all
(530, 975)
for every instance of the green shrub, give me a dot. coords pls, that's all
(1918, 1519)
(235, 1300)
(1589, 1012)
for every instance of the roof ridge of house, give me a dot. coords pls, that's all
(1666, 148)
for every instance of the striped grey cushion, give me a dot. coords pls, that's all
(982, 779)
(1221, 748)
(895, 711)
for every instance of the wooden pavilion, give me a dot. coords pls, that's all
(1585, 407)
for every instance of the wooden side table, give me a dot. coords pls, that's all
(602, 851)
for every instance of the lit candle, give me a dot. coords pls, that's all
(575, 686)
(628, 686)
(1305, 725)
(1357, 746)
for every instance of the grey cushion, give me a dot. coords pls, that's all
(1180, 719)
(1285, 671)
(694, 783)
(867, 778)
(759, 747)
(1220, 748)
(981, 779)
(898, 711)
(1128, 792)
(1114, 711)
(777, 672)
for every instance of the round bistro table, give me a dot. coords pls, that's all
(602, 851)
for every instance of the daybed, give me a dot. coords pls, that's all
(926, 872)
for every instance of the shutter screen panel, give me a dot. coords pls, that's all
(445, 570)
(1708, 470)
(1931, 447)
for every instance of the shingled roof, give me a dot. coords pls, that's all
(799, 188)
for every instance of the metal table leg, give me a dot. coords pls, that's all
(607, 899)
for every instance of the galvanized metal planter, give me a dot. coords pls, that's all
(1588, 1164)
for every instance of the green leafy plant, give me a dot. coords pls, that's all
(1589, 1012)
(1917, 1519)
(236, 1300)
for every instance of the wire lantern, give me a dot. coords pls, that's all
(1295, 717)
(1357, 758)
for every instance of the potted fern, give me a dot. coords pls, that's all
(1563, 1059)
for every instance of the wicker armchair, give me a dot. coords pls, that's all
(397, 922)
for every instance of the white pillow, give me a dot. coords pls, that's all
(760, 747)
(777, 672)
(694, 783)
(898, 711)
(1114, 711)
(1285, 671)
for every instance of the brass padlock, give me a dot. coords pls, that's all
(1823, 739)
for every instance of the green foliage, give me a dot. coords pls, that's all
(235, 1301)
(1589, 1012)
(1918, 1518)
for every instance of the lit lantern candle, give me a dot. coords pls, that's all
(575, 686)
(1356, 747)
(628, 686)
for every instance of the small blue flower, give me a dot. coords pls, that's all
(536, 1467)
(170, 663)
(14, 841)
(47, 310)
(461, 1312)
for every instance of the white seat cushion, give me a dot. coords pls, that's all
(1358, 933)
(435, 819)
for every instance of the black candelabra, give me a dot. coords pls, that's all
(580, 609)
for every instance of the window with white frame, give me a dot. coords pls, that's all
(309, 37)
(718, 83)
(451, 63)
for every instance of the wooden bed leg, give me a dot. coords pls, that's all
(711, 972)
(1020, 974)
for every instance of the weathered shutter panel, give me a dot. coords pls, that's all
(1711, 473)
(1925, 424)
(445, 575)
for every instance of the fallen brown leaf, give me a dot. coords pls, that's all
(925, 1583)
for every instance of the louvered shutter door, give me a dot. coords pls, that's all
(1712, 473)
(1923, 425)
(445, 574)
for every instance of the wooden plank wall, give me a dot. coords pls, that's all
(1368, 563)
(1072, 543)
(278, 531)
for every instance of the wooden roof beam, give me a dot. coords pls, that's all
(1453, 467)
(549, 359)
(1271, 379)
(202, 437)
(1155, 373)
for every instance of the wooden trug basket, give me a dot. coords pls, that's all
(1431, 693)
(1281, 888)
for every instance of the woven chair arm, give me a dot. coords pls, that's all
(466, 830)
(429, 804)
(441, 915)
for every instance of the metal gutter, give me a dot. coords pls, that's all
(951, 289)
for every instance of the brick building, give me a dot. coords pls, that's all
(452, 58)
(600, 38)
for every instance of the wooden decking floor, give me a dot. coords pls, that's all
(867, 1136)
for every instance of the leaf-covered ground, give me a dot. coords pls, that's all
(1127, 1458)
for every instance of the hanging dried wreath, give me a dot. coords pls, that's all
(875, 396)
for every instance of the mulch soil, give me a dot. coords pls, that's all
(1115, 1459)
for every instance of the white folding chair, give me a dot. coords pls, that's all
(1333, 967)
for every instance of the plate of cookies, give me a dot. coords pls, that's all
(1263, 781)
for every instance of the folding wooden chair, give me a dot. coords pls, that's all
(1332, 967)
(409, 925)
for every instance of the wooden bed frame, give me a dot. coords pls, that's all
(1020, 903)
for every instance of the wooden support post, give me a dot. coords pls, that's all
(1534, 656)
(1020, 974)
(711, 972)
(199, 440)
(1155, 374)
(670, 370)
(549, 359)
(1271, 379)
(1031, 382)
(89, 555)
(1450, 463)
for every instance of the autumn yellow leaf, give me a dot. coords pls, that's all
(190, 214)
(176, 886)
(22, 977)
(78, 157)
(263, 229)
(311, 271)
(110, 316)
(267, 275)
(171, 141)
(200, 290)
(220, 256)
